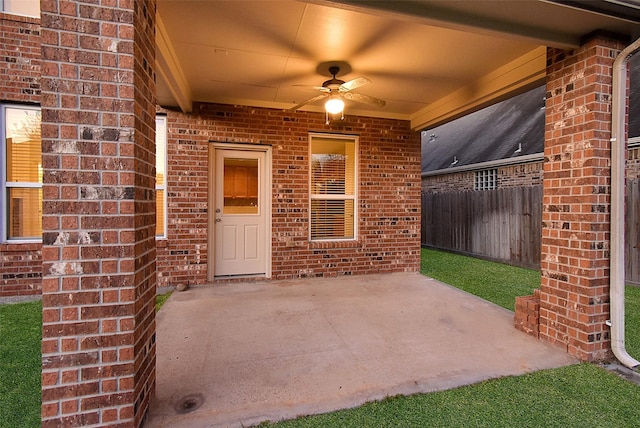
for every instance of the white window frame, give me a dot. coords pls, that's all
(4, 8)
(340, 197)
(4, 185)
(161, 130)
(486, 179)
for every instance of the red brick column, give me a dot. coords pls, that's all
(574, 292)
(98, 145)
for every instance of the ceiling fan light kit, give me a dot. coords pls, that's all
(334, 105)
(337, 90)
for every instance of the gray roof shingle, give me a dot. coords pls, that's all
(495, 132)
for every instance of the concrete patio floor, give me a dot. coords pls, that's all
(238, 354)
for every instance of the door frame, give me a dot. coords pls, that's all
(268, 196)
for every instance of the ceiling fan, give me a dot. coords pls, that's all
(336, 90)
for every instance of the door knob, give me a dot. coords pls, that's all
(218, 220)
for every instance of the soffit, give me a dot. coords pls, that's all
(416, 53)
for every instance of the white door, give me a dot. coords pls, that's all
(240, 213)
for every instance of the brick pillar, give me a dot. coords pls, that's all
(98, 150)
(574, 291)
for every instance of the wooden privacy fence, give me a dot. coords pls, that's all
(505, 225)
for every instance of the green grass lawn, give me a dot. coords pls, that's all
(161, 299)
(575, 396)
(582, 395)
(495, 282)
(632, 321)
(20, 333)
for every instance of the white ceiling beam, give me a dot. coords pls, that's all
(168, 68)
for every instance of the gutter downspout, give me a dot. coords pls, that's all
(618, 151)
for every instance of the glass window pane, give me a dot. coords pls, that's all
(240, 186)
(24, 146)
(161, 150)
(22, 7)
(160, 212)
(486, 179)
(332, 166)
(161, 167)
(25, 213)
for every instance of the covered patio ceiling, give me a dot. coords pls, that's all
(431, 61)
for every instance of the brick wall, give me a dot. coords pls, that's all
(574, 291)
(527, 174)
(138, 105)
(456, 182)
(19, 58)
(182, 257)
(20, 264)
(20, 269)
(98, 286)
(389, 202)
(527, 314)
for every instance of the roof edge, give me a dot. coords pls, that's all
(535, 157)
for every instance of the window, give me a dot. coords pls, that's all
(333, 187)
(21, 174)
(21, 7)
(486, 179)
(161, 173)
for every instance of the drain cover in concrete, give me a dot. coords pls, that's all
(189, 403)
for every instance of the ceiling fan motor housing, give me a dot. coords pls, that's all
(333, 83)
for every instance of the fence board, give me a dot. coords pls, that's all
(505, 225)
(496, 224)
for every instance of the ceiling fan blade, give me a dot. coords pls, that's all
(317, 88)
(310, 100)
(361, 98)
(354, 83)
